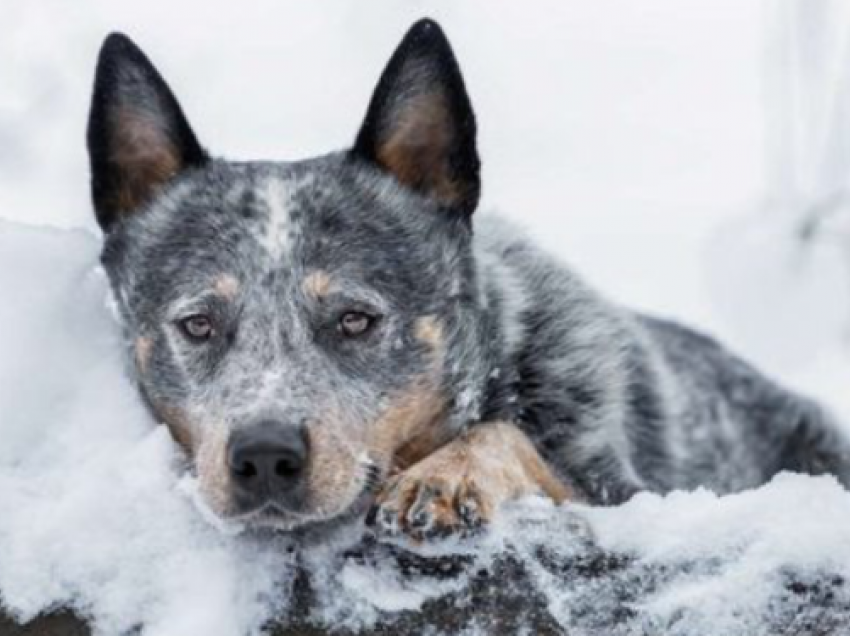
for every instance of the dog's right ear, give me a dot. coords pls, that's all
(138, 137)
(419, 126)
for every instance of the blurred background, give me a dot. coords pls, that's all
(690, 159)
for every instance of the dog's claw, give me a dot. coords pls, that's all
(468, 511)
(420, 517)
(387, 521)
(421, 521)
(371, 518)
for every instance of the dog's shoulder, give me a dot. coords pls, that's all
(569, 351)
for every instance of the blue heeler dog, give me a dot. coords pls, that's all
(335, 336)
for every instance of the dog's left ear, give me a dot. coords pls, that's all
(419, 126)
(138, 137)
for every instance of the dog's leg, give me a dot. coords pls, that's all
(460, 485)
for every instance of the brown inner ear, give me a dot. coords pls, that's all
(144, 156)
(416, 149)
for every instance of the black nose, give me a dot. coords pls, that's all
(267, 457)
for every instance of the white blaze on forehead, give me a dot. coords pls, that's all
(274, 237)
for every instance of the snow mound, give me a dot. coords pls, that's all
(95, 514)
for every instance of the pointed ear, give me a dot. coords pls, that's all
(138, 138)
(419, 126)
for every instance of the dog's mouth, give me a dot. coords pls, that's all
(273, 515)
(308, 528)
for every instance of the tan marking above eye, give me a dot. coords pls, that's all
(317, 284)
(428, 329)
(226, 286)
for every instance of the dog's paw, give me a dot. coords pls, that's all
(422, 504)
(458, 488)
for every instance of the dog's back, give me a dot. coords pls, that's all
(738, 428)
(621, 402)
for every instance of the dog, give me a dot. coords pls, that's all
(337, 339)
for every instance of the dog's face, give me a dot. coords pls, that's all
(299, 327)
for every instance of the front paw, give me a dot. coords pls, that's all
(422, 504)
(459, 487)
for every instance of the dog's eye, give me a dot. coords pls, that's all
(198, 327)
(355, 323)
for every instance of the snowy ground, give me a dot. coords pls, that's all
(630, 138)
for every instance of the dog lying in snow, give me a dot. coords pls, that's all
(340, 335)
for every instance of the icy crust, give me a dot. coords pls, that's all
(97, 515)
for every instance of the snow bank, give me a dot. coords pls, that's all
(732, 557)
(94, 511)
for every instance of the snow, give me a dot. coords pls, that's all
(629, 138)
(92, 515)
(725, 559)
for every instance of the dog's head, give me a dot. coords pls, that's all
(300, 327)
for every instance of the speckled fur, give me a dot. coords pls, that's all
(477, 323)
